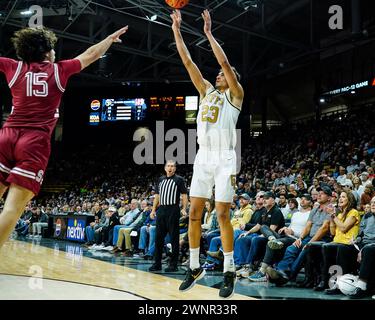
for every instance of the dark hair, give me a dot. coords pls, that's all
(32, 44)
(352, 203)
(294, 201)
(212, 203)
(238, 76)
(236, 73)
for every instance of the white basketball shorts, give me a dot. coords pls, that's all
(214, 168)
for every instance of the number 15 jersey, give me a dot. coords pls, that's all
(37, 89)
(216, 121)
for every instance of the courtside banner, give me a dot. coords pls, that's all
(76, 229)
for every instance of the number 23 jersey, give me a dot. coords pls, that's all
(216, 121)
(37, 89)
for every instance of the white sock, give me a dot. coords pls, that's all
(228, 262)
(361, 284)
(194, 258)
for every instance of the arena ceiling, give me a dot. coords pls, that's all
(262, 38)
(256, 34)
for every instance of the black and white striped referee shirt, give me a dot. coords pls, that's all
(170, 189)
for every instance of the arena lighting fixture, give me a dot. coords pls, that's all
(352, 92)
(152, 18)
(322, 100)
(26, 13)
(248, 4)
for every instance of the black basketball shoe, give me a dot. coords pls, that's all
(227, 288)
(192, 276)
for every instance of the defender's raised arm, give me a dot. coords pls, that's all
(96, 51)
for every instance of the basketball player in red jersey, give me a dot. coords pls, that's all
(37, 85)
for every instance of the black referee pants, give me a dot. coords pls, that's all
(167, 221)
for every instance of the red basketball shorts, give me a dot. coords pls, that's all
(24, 155)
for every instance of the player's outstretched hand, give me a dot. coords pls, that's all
(116, 35)
(207, 21)
(176, 19)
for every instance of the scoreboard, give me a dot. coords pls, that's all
(123, 109)
(107, 110)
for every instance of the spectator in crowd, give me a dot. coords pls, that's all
(314, 195)
(243, 215)
(126, 220)
(341, 178)
(293, 193)
(125, 233)
(285, 236)
(210, 212)
(124, 208)
(316, 229)
(24, 222)
(214, 228)
(301, 187)
(367, 209)
(99, 221)
(240, 217)
(283, 205)
(248, 231)
(252, 247)
(344, 226)
(357, 185)
(365, 178)
(40, 221)
(292, 208)
(353, 166)
(315, 185)
(147, 232)
(103, 235)
(367, 195)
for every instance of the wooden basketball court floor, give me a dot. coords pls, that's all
(49, 269)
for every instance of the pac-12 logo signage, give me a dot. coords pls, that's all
(76, 229)
(95, 105)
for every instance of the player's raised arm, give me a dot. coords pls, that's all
(195, 75)
(96, 51)
(235, 87)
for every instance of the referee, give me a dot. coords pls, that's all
(168, 191)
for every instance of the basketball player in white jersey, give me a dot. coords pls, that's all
(215, 163)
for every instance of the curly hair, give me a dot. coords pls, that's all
(32, 44)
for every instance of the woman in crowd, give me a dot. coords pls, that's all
(344, 227)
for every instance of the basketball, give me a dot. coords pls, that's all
(346, 283)
(177, 4)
